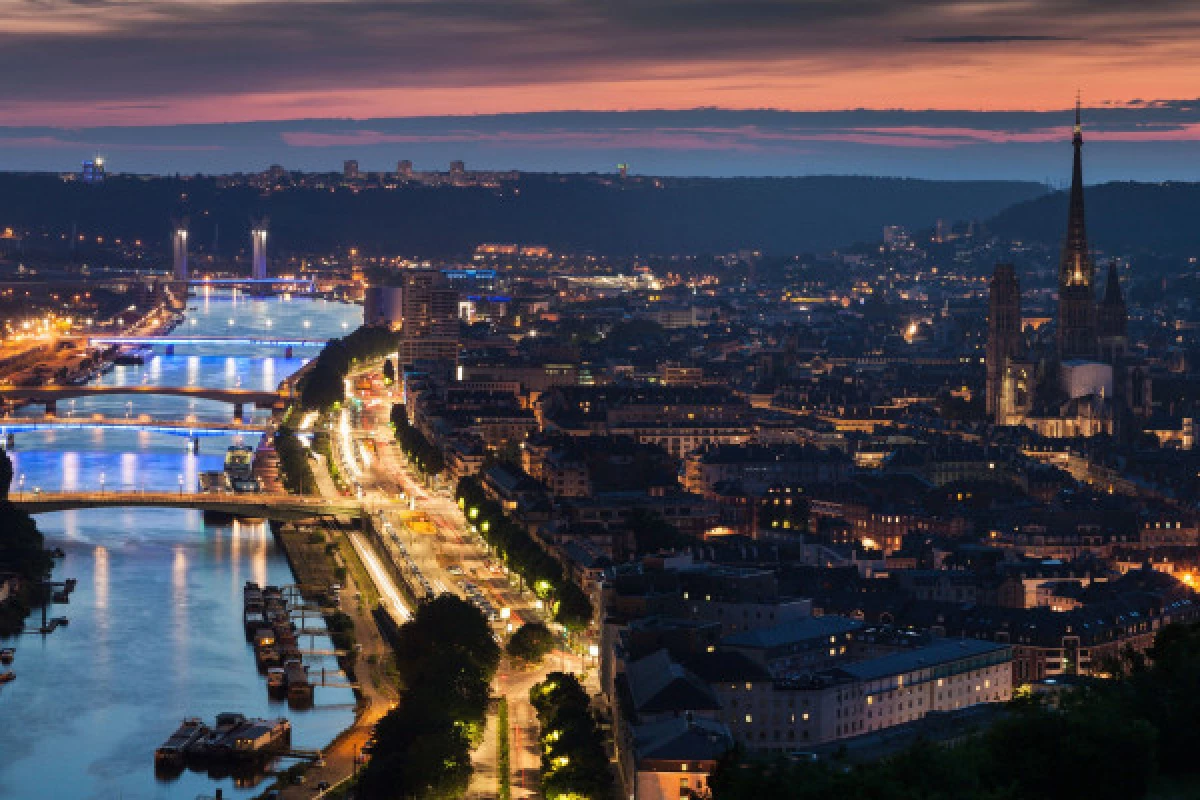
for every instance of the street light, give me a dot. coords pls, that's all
(22, 484)
(181, 484)
(101, 483)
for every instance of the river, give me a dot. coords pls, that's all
(155, 630)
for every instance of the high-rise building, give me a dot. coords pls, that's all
(1076, 334)
(429, 330)
(258, 240)
(93, 171)
(350, 170)
(179, 250)
(458, 172)
(1004, 333)
(404, 170)
(383, 306)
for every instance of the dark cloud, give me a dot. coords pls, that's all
(144, 50)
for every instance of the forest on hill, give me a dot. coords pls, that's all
(569, 213)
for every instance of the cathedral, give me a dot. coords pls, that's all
(1085, 384)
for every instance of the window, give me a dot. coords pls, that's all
(749, 719)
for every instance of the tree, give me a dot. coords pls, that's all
(6, 475)
(653, 534)
(531, 642)
(389, 371)
(574, 763)
(446, 658)
(22, 551)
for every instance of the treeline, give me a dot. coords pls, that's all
(446, 658)
(420, 451)
(324, 383)
(524, 556)
(22, 553)
(574, 764)
(1120, 739)
(295, 468)
(565, 212)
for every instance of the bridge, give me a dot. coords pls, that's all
(50, 395)
(267, 506)
(305, 282)
(182, 427)
(98, 341)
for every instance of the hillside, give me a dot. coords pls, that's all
(569, 213)
(1122, 218)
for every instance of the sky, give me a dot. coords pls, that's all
(927, 88)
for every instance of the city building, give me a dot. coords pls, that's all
(258, 241)
(429, 330)
(93, 171)
(383, 305)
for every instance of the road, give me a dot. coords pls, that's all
(434, 534)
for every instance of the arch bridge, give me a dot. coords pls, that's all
(268, 506)
(50, 395)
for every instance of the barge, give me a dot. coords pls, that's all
(233, 737)
(173, 751)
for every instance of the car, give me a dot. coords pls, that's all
(454, 569)
(322, 786)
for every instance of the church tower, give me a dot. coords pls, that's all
(1076, 335)
(1004, 334)
(1112, 319)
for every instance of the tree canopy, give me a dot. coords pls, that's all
(446, 658)
(531, 642)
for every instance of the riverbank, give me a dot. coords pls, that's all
(315, 553)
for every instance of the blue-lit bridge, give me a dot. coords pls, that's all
(142, 424)
(255, 341)
(50, 395)
(267, 506)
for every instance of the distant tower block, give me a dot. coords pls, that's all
(179, 251)
(258, 236)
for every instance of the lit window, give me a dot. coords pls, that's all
(749, 719)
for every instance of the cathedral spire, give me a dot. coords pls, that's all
(1076, 270)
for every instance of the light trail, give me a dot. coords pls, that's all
(379, 575)
(347, 448)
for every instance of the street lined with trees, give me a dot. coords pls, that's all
(541, 572)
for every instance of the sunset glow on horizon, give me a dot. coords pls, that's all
(146, 63)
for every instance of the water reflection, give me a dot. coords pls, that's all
(156, 630)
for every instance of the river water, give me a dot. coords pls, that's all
(155, 630)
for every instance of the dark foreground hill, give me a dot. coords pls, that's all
(1121, 217)
(569, 213)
